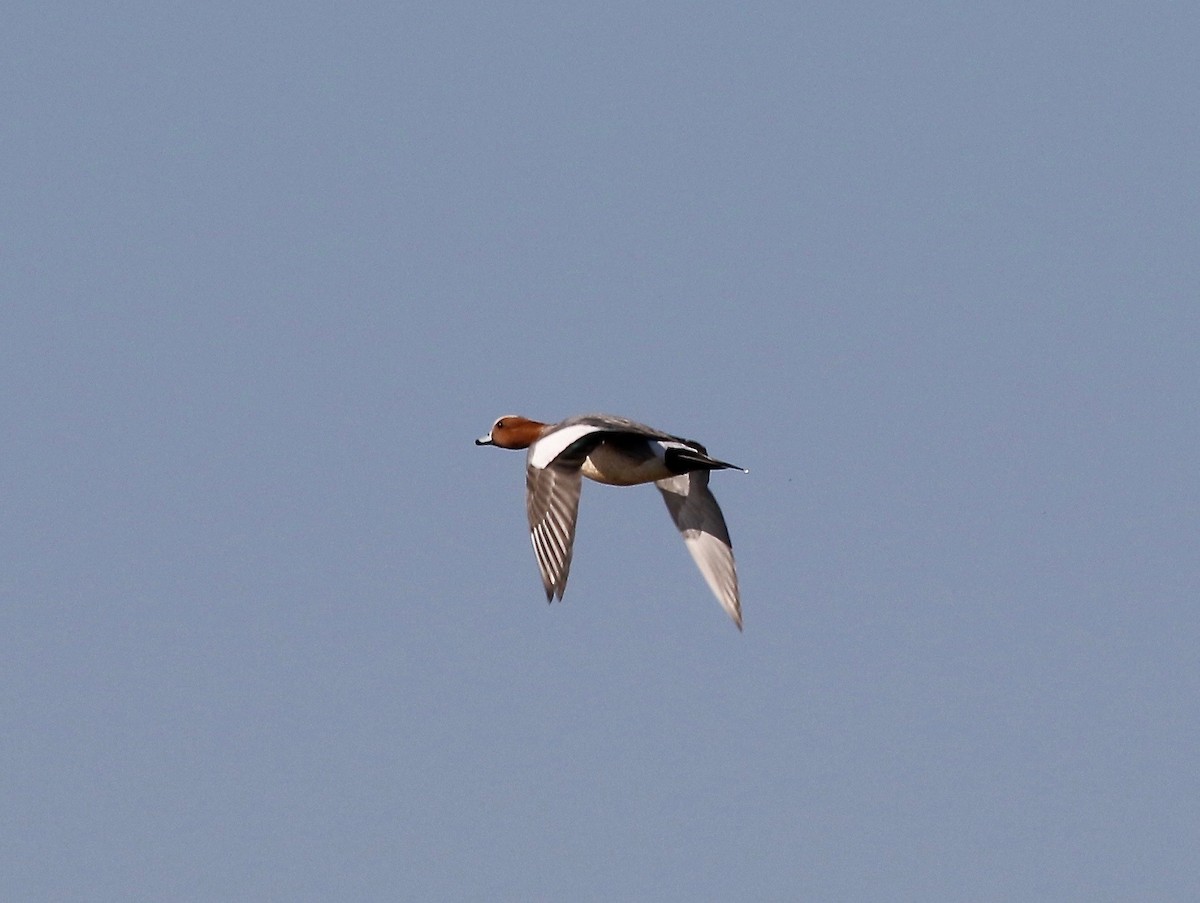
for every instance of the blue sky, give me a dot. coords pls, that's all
(270, 624)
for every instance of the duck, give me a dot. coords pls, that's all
(617, 451)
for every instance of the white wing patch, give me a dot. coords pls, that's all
(546, 449)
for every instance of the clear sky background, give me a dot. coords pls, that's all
(270, 623)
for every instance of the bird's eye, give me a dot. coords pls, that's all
(499, 424)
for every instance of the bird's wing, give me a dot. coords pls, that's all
(552, 503)
(699, 519)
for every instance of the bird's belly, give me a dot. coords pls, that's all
(618, 467)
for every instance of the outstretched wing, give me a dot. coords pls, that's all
(699, 519)
(552, 503)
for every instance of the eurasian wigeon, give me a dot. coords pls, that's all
(619, 452)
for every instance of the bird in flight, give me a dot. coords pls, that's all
(618, 452)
